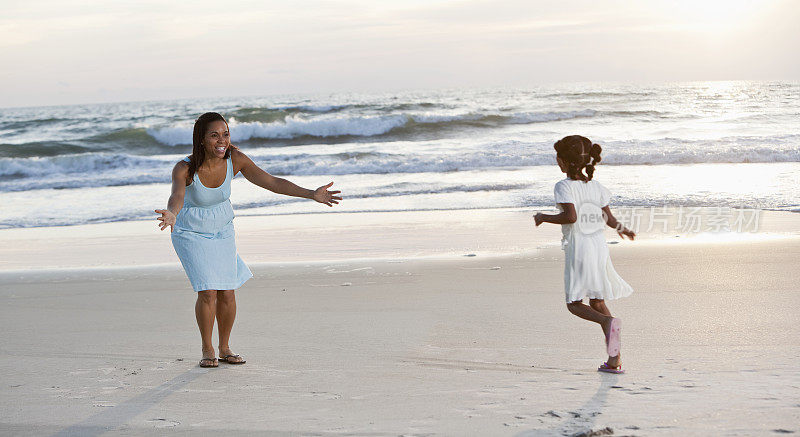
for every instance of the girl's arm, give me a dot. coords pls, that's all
(612, 222)
(567, 216)
(257, 176)
(179, 175)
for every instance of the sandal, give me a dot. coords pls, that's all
(608, 369)
(232, 359)
(209, 362)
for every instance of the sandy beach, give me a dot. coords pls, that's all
(418, 323)
(384, 162)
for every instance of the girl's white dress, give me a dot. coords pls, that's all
(588, 271)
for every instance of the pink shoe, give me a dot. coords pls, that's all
(613, 341)
(608, 369)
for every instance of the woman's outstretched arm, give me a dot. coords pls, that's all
(257, 176)
(567, 216)
(179, 175)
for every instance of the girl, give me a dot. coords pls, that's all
(588, 272)
(200, 218)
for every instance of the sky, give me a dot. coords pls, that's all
(67, 51)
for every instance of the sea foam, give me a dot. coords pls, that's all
(298, 126)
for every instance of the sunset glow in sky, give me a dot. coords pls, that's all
(60, 52)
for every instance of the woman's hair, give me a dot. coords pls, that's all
(578, 153)
(198, 150)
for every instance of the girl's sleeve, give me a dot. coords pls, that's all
(562, 193)
(605, 195)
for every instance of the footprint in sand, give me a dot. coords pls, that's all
(163, 423)
(102, 404)
(364, 269)
(324, 395)
(593, 433)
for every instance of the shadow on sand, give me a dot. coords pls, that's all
(581, 419)
(112, 418)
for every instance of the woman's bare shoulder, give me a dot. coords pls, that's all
(239, 160)
(237, 155)
(181, 168)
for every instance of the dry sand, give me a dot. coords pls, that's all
(411, 338)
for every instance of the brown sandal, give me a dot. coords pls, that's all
(227, 359)
(209, 362)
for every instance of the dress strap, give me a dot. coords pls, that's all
(186, 159)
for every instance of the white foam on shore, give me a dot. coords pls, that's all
(97, 169)
(762, 186)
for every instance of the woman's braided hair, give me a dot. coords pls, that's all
(578, 153)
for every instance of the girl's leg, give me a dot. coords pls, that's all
(589, 313)
(205, 310)
(599, 305)
(226, 314)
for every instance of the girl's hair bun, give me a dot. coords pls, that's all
(578, 152)
(594, 152)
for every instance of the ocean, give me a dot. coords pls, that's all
(723, 144)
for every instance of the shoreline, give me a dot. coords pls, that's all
(793, 210)
(326, 237)
(759, 185)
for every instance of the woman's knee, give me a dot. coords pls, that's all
(226, 296)
(208, 297)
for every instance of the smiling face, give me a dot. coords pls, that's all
(217, 139)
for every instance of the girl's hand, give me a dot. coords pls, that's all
(322, 195)
(625, 232)
(167, 219)
(538, 219)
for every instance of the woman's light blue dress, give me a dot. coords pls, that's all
(204, 238)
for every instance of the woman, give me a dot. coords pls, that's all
(200, 218)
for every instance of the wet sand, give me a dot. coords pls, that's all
(407, 336)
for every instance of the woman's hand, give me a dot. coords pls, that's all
(167, 219)
(322, 195)
(538, 218)
(625, 232)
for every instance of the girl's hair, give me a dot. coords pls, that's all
(578, 153)
(198, 150)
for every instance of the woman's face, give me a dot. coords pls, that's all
(217, 139)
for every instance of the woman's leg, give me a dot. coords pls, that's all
(205, 310)
(226, 314)
(599, 305)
